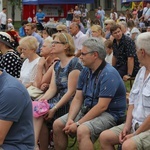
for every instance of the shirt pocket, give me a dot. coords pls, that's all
(146, 100)
(134, 96)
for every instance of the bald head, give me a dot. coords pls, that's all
(74, 28)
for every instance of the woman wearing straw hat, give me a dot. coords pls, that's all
(9, 60)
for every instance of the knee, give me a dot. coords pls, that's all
(105, 137)
(129, 144)
(82, 132)
(58, 126)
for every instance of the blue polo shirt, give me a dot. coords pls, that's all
(104, 84)
(40, 16)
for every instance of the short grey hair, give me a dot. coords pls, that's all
(95, 45)
(143, 42)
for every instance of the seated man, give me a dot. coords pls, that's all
(100, 92)
(16, 125)
(135, 133)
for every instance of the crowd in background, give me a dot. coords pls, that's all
(50, 60)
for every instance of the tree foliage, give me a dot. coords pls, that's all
(17, 3)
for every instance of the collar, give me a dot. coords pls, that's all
(100, 68)
(78, 34)
(121, 40)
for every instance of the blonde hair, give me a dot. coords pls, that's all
(97, 28)
(68, 40)
(29, 42)
(110, 22)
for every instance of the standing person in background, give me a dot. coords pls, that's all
(3, 20)
(30, 31)
(113, 15)
(77, 12)
(69, 17)
(40, 16)
(10, 26)
(22, 32)
(146, 15)
(102, 14)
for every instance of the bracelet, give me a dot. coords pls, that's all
(78, 124)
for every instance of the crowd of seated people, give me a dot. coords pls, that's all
(80, 75)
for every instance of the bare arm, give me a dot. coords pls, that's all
(4, 128)
(48, 75)
(75, 105)
(130, 64)
(39, 73)
(128, 122)
(145, 126)
(114, 60)
(72, 83)
(52, 89)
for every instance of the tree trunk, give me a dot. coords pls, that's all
(13, 14)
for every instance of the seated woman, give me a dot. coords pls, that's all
(28, 46)
(63, 85)
(98, 32)
(10, 60)
(45, 66)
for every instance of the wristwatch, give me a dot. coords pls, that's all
(129, 75)
(77, 123)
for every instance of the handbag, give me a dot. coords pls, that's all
(34, 92)
(40, 108)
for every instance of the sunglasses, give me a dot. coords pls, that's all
(59, 30)
(105, 24)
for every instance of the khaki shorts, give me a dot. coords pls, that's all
(141, 140)
(96, 125)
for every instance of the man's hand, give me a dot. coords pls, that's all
(126, 77)
(69, 122)
(123, 134)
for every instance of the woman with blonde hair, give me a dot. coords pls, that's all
(108, 23)
(98, 32)
(62, 88)
(28, 46)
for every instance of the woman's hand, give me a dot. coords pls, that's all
(50, 114)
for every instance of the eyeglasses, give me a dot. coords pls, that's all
(22, 49)
(83, 54)
(56, 42)
(105, 24)
(59, 30)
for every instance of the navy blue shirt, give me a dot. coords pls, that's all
(123, 50)
(104, 84)
(16, 106)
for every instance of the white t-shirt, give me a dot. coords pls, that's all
(2, 18)
(108, 58)
(28, 71)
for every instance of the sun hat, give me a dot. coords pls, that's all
(40, 108)
(61, 27)
(5, 38)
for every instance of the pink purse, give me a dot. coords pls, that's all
(40, 108)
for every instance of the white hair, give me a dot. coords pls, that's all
(143, 42)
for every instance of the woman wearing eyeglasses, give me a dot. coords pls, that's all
(62, 87)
